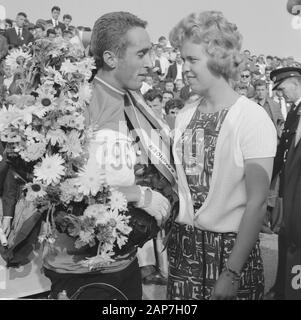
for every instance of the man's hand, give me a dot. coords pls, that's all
(158, 206)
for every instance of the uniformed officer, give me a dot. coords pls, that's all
(289, 81)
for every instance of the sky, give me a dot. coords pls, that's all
(264, 24)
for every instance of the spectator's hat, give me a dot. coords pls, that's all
(279, 75)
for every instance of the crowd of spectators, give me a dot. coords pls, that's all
(166, 81)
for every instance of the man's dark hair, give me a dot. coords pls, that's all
(161, 38)
(39, 26)
(173, 104)
(56, 8)
(152, 94)
(269, 57)
(168, 80)
(9, 21)
(65, 32)
(259, 83)
(109, 34)
(67, 16)
(23, 14)
(50, 31)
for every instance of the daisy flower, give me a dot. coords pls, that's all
(46, 95)
(17, 58)
(69, 190)
(72, 145)
(68, 67)
(33, 135)
(33, 151)
(34, 191)
(86, 236)
(8, 116)
(96, 211)
(50, 170)
(55, 76)
(56, 136)
(90, 179)
(118, 201)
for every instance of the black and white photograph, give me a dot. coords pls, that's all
(149, 151)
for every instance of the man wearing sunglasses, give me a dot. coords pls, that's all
(245, 79)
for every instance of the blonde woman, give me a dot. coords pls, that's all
(224, 148)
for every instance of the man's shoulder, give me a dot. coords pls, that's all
(9, 31)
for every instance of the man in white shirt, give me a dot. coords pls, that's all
(164, 63)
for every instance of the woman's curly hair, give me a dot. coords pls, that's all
(220, 39)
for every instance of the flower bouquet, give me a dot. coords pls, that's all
(43, 125)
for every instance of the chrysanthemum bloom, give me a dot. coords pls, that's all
(72, 145)
(34, 191)
(90, 179)
(50, 170)
(118, 201)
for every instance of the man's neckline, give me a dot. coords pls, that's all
(122, 93)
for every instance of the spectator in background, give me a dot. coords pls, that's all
(175, 71)
(154, 98)
(241, 89)
(169, 85)
(269, 61)
(256, 75)
(51, 34)
(8, 23)
(245, 80)
(3, 47)
(270, 106)
(261, 63)
(67, 35)
(172, 107)
(162, 42)
(166, 96)
(66, 21)
(179, 85)
(268, 80)
(58, 31)
(163, 63)
(54, 21)
(278, 98)
(147, 84)
(18, 35)
(39, 31)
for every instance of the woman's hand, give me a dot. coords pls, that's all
(225, 287)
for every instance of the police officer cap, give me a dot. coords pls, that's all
(279, 75)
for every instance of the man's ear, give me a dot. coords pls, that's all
(110, 59)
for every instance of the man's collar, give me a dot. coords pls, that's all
(122, 93)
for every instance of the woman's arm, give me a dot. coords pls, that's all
(257, 176)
